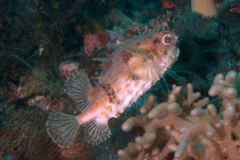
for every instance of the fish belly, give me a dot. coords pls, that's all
(129, 91)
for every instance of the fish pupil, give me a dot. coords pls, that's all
(168, 39)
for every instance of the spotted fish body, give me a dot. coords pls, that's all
(131, 71)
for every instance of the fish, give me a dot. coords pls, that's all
(130, 71)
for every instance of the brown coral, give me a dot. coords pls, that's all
(187, 127)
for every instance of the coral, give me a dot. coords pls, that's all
(24, 136)
(78, 151)
(5, 112)
(22, 133)
(167, 4)
(31, 83)
(204, 7)
(230, 20)
(95, 41)
(46, 103)
(91, 42)
(37, 82)
(66, 68)
(229, 12)
(189, 127)
(197, 26)
(208, 40)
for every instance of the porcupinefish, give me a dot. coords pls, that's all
(130, 72)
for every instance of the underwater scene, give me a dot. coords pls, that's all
(119, 79)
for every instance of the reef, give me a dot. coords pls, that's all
(43, 42)
(187, 126)
(24, 136)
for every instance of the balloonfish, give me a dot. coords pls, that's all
(130, 71)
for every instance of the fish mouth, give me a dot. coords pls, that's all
(176, 52)
(173, 52)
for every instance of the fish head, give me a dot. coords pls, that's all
(160, 45)
(165, 45)
(154, 55)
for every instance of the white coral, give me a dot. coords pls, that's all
(188, 126)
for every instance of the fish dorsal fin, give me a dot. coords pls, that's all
(96, 133)
(78, 87)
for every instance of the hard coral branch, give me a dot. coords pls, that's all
(187, 127)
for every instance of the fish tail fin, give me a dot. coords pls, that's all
(96, 133)
(62, 128)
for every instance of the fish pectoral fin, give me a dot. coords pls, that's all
(77, 87)
(96, 133)
(148, 72)
(135, 62)
(62, 128)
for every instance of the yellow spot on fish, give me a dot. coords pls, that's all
(115, 100)
(137, 82)
(109, 108)
(104, 114)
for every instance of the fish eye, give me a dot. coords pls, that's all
(167, 39)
